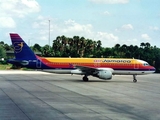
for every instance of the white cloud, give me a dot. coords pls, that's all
(42, 28)
(18, 8)
(32, 4)
(40, 17)
(13, 9)
(108, 39)
(110, 1)
(127, 27)
(154, 28)
(133, 41)
(124, 27)
(106, 36)
(106, 13)
(72, 27)
(145, 37)
(7, 22)
(41, 24)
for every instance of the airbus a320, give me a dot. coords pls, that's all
(103, 68)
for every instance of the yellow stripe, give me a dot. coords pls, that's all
(87, 60)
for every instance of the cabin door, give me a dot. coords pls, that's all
(97, 63)
(136, 65)
(38, 63)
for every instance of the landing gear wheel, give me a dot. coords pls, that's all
(134, 80)
(85, 78)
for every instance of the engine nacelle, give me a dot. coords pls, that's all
(105, 74)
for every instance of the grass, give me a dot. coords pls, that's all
(9, 66)
(5, 67)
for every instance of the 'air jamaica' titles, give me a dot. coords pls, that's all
(112, 61)
(117, 61)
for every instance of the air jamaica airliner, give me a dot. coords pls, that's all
(102, 68)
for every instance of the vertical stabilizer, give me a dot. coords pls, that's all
(21, 50)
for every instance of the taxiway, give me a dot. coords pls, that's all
(34, 95)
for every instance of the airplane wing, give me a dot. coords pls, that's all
(92, 70)
(102, 73)
(86, 69)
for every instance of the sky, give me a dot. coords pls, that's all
(129, 22)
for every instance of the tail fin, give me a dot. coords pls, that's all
(21, 49)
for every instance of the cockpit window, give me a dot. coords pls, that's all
(146, 64)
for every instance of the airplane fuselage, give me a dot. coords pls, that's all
(66, 65)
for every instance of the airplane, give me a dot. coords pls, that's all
(102, 68)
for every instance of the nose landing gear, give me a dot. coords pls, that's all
(134, 79)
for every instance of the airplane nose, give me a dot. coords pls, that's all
(153, 69)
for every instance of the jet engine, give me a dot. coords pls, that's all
(104, 74)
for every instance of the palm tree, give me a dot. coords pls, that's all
(37, 48)
(107, 52)
(77, 43)
(64, 46)
(135, 51)
(131, 50)
(116, 50)
(63, 40)
(148, 45)
(2, 43)
(99, 44)
(2, 52)
(82, 46)
(142, 44)
(117, 46)
(46, 52)
(123, 50)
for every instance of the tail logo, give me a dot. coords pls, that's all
(18, 46)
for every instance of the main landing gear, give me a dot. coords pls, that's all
(134, 79)
(85, 78)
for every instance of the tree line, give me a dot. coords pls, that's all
(77, 46)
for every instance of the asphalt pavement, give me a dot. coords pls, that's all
(34, 95)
